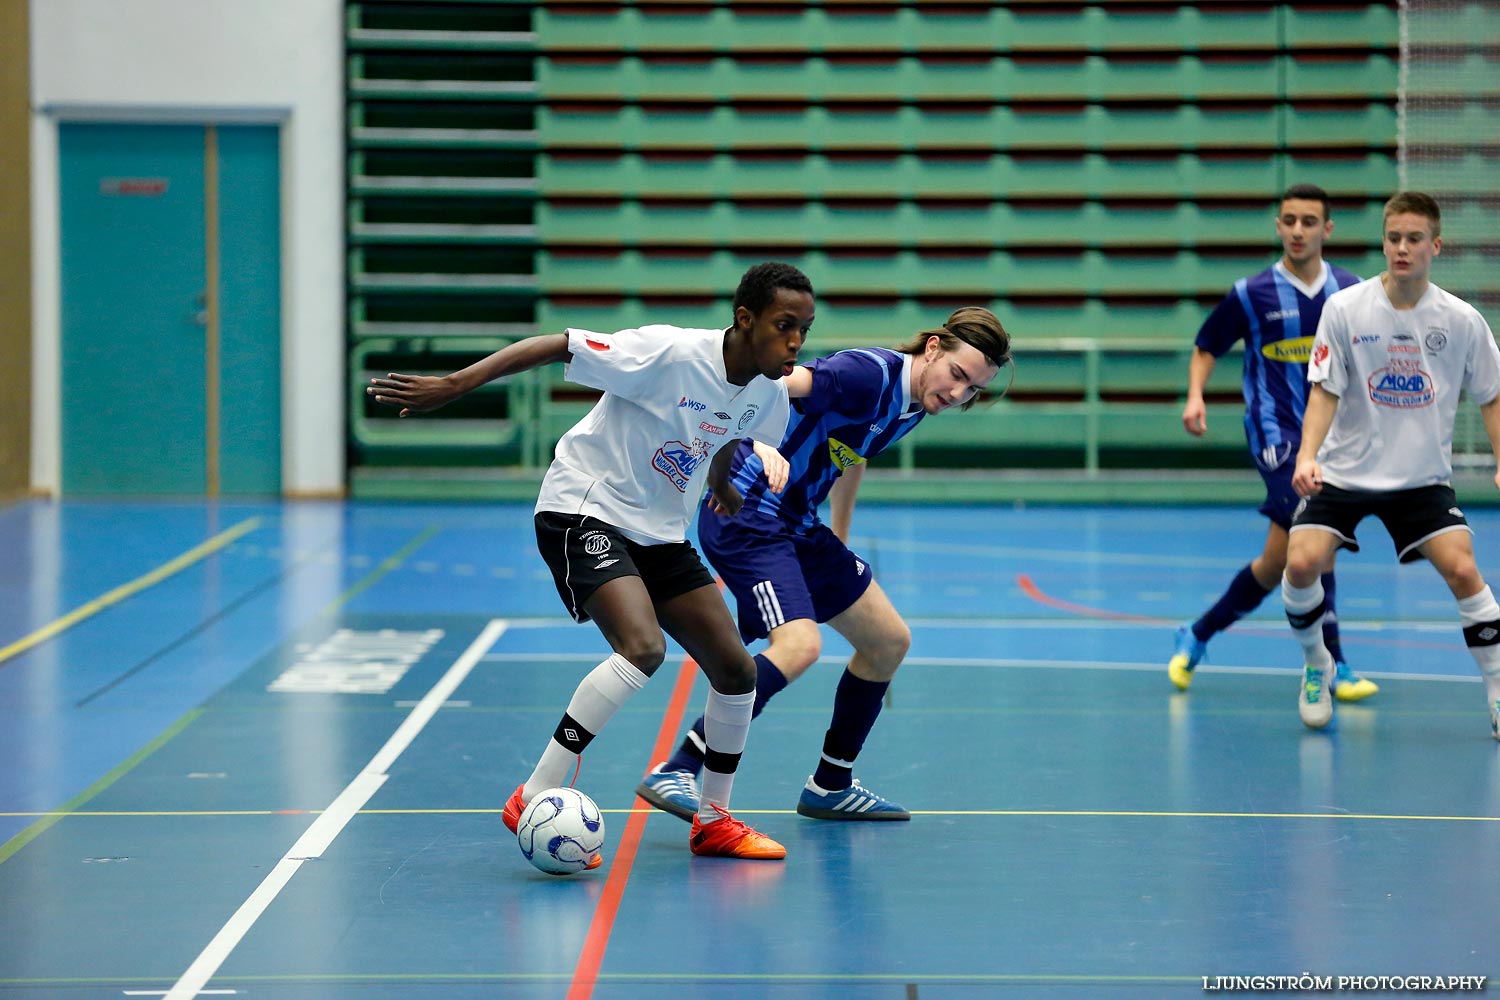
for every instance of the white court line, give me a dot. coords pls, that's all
(328, 825)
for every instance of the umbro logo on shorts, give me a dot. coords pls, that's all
(859, 568)
(606, 563)
(1455, 512)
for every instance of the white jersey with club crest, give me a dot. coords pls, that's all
(1398, 374)
(639, 459)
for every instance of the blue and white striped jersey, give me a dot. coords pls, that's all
(1276, 315)
(860, 405)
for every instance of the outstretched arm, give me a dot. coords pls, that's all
(1195, 414)
(1307, 480)
(421, 393)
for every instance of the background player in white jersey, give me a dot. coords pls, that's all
(614, 507)
(1275, 314)
(789, 571)
(1389, 361)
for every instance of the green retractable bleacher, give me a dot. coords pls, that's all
(1097, 174)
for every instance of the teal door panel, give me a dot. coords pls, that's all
(136, 307)
(250, 309)
(132, 251)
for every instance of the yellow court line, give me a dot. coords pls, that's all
(135, 586)
(786, 812)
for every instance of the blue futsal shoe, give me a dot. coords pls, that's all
(1190, 651)
(854, 802)
(1348, 687)
(675, 792)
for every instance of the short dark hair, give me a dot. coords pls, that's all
(1416, 203)
(972, 325)
(1309, 192)
(759, 284)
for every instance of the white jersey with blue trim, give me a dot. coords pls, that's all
(1398, 374)
(639, 459)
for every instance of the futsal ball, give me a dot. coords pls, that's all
(560, 831)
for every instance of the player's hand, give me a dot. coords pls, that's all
(778, 469)
(725, 499)
(413, 393)
(1195, 417)
(1308, 479)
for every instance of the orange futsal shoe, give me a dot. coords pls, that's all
(511, 816)
(513, 809)
(727, 837)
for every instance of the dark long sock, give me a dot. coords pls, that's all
(1243, 596)
(689, 756)
(856, 705)
(1331, 622)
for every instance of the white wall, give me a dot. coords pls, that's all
(208, 61)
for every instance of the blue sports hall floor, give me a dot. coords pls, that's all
(260, 750)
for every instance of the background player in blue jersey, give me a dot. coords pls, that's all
(789, 571)
(1275, 313)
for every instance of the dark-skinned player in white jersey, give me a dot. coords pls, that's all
(612, 515)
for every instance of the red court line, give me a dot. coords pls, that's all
(597, 940)
(1031, 590)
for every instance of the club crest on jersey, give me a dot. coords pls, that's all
(1436, 339)
(1402, 385)
(843, 456)
(747, 416)
(1294, 351)
(678, 461)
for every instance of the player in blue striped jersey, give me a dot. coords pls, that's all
(1275, 313)
(789, 570)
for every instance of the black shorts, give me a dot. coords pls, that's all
(1411, 516)
(584, 553)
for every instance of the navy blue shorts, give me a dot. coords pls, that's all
(778, 575)
(1276, 466)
